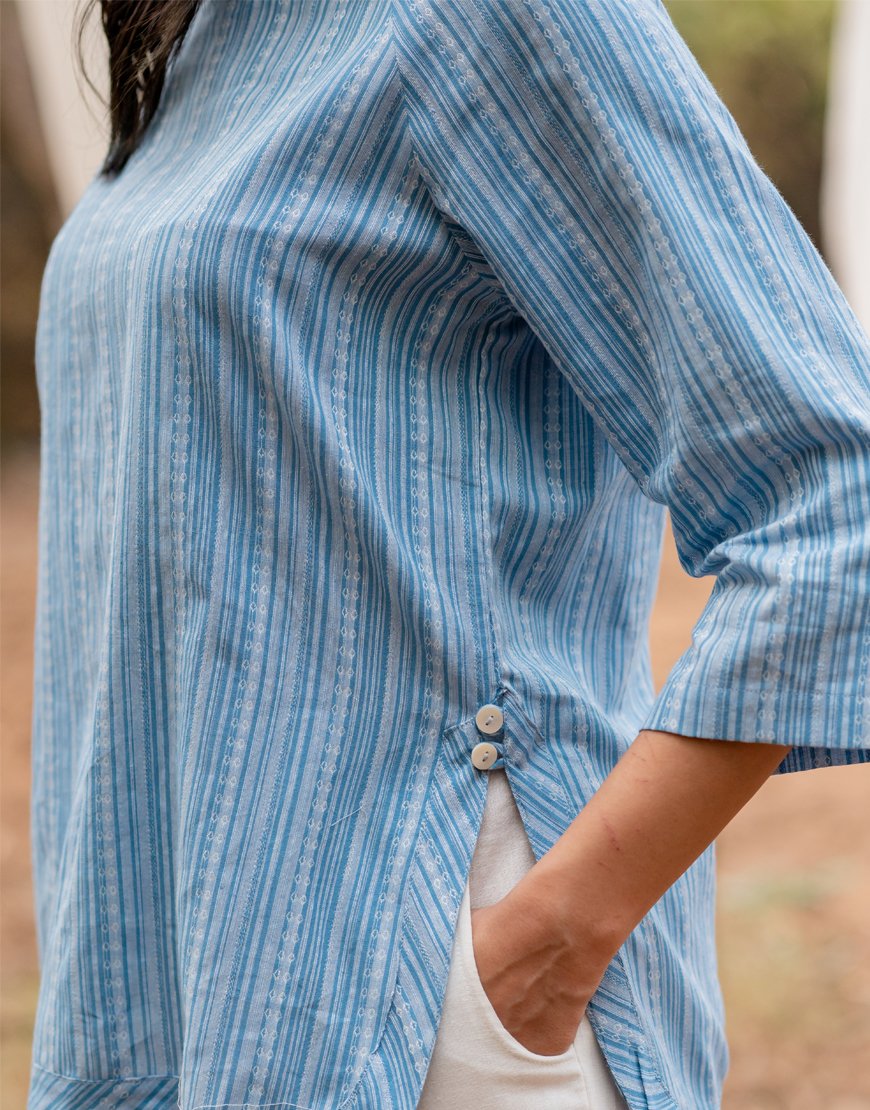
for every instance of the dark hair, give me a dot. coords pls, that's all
(142, 35)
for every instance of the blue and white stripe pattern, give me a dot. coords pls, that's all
(365, 388)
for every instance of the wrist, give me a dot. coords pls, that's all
(597, 930)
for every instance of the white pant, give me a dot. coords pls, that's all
(476, 1063)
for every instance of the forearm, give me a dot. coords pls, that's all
(663, 803)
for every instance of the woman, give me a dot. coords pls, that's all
(369, 367)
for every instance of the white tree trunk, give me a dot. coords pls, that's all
(845, 211)
(74, 122)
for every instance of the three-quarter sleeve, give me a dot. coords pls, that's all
(580, 146)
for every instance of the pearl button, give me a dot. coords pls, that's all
(483, 755)
(489, 719)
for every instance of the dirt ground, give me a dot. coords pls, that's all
(794, 879)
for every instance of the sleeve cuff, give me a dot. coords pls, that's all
(747, 678)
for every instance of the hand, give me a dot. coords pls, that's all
(534, 967)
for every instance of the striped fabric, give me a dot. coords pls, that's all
(365, 388)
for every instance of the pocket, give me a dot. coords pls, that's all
(477, 1062)
(485, 1006)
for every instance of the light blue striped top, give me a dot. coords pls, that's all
(365, 389)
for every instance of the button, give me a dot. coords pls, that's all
(489, 719)
(483, 755)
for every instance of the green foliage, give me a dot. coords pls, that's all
(768, 60)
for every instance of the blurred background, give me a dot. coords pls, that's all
(793, 922)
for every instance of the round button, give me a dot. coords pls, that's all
(489, 719)
(483, 755)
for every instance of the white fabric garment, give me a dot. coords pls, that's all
(476, 1063)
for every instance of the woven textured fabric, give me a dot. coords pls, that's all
(365, 389)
